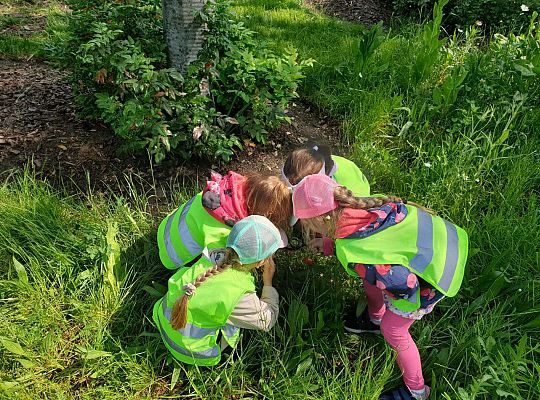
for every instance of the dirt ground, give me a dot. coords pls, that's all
(367, 12)
(39, 127)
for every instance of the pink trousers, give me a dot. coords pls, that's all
(395, 330)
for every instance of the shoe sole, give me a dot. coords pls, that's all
(378, 331)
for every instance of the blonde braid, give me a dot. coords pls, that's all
(179, 311)
(346, 198)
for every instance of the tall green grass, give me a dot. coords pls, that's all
(451, 122)
(79, 276)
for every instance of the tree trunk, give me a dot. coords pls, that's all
(183, 32)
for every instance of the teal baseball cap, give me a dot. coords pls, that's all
(254, 238)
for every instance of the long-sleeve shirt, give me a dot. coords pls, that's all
(257, 313)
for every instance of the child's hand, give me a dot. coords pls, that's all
(269, 271)
(316, 244)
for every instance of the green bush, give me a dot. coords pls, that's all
(238, 89)
(495, 15)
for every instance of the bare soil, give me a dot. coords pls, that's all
(39, 128)
(367, 12)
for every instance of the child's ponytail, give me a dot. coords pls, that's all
(179, 311)
(270, 197)
(346, 198)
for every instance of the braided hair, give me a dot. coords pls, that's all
(346, 198)
(179, 311)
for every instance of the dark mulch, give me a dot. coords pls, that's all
(367, 12)
(39, 127)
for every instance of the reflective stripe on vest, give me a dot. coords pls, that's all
(189, 330)
(183, 230)
(210, 353)
(424, 243)
(230, 330)
(434, 249)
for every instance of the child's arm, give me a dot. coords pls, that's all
(254, 313)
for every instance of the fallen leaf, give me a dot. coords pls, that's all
(62, 147)
(249, 143)
(197, 132)
(101, 75)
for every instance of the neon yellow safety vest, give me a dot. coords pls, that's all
(432, 248)
(208, 310)
(349, 175)
(184, 233)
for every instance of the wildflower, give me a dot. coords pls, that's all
(524, 8)
(427, 164)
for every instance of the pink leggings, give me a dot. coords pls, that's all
(395, 330)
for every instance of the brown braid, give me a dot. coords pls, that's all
(179, 311)
(346, 198)
(326, 224)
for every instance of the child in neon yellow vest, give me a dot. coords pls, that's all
(216, 296)
(206, 219)
(407, 258)
(318, 159)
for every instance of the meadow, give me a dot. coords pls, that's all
(449, 121)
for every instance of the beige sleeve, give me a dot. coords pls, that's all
(254, 313)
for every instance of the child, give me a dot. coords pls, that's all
(213, 298)
(318, 159)
(408, 261)
(206, 219)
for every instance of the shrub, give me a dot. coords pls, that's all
(238, 89)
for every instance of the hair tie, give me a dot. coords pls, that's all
(189, 289)
(316, 148)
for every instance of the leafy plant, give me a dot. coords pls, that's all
(237, 89)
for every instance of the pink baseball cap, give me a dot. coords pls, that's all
(314, 196)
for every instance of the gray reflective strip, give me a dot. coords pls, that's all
(210, 353)
(191, 331)
(452, 255)
(424, 242)
(171, 252)
(191, 245)
(230, 330)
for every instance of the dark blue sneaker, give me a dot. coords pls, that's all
(361, 324)
(403, 393)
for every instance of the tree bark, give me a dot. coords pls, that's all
(183, 32)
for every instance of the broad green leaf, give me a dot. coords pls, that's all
(524, 70)
(27, 363)
(13, 347)
(21, 271)
(175, 376)
(90, 354)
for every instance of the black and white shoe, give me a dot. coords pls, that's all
(361, 324)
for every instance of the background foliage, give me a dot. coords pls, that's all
(495, 15)
(237, 90)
